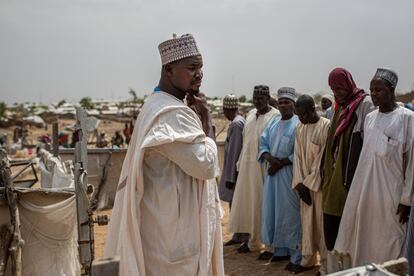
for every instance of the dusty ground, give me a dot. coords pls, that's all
(234, 263)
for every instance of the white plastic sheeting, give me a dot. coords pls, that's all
(54, 173)
(48, 228)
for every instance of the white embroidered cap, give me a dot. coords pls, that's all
(178, 48)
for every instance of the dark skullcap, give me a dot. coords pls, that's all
(261, 90)
(388, 75)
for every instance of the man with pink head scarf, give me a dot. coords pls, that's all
(343, 147)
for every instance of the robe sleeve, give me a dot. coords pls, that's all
(234, 148)
(297, 162)
(264, 145)
(313, 180)
(408, 157)
(198, 160)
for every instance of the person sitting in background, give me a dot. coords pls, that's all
(117, 140)
(3, 140)
(101, 141)
(63, 140)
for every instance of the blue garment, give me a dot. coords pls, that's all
(281, 224)
(329, 113)
(295, 254)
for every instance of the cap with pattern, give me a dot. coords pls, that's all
(178, 48)
(387, 75)
(230, 102)
(287, 93)
(262, 90)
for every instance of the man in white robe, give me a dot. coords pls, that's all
(310, 142)
(373, 226)
(166, 216)
(246, 211)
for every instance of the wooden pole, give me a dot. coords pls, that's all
(16, 245)
(5, 241)
(84, 213)
(55, 139)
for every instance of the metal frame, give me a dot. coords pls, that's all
(26, 164)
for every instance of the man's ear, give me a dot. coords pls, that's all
(168, 68)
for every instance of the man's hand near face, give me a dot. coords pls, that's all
(198, 103)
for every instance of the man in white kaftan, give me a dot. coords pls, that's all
(166, 217)
(310, 141)
(246, 211)
(373, 226)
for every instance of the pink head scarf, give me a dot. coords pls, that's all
(341, 78)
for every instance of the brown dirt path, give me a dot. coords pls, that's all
(234, 264)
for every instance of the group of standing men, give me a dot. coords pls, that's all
(305, 185)
(298, 186)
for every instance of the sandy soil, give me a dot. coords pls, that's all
(234, 263)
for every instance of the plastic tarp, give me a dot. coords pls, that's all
(48, 228)
(54, 173)
(34, 120)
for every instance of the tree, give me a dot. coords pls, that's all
(135, 99)
(242, 99)
(3, 108)
(86, 103)
(121, 106)
(133, 94)
(32, 109)
(60, 103)
(20, 110)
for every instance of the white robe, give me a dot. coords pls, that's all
(166, 216)
(310, 143)
(246, 210)
(370, 230)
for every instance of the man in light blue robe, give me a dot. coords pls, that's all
(281, 222)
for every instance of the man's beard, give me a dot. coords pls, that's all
(194, 92)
